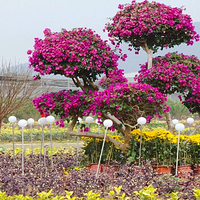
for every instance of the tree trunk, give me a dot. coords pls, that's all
(150, 58)
(0, 124)
(127, 139)
(149, 52)
(168, 118)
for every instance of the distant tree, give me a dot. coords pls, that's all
(16, 89)
(151, 25)
(82, 55)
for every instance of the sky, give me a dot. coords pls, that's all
(23, 20)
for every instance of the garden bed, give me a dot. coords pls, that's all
(67, 175)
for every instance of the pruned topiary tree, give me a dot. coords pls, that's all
(82, 55)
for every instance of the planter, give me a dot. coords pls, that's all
(109, 168)
(102, 168)
(197, 169)
(162, 169)
(93, 167)
(184, 170)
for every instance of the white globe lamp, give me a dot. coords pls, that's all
(190, 120)
(97, 121)
(179, 127)
(12, 119)
(30, 121)
(175, 121)
(141, 120)
(22, 123)
(43, 121)
(79, 120)
(89, 119)
(50, 119)
(108, 123)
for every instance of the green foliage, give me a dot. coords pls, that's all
(178, 109)
(111, 153)
(174, 195)
(197, 194)
(148, 193)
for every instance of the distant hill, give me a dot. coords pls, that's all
(132, 62)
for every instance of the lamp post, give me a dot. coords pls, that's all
(89, 120)
(179, 127)
(77, 137)
(12, 120)
(107, 123)
(50, 120)
(42, 121)
(175, 121)
(22, 123)
(98, 123)
(190, 120)
(31, 122)
(141, 121)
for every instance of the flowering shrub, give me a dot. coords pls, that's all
(171, 73)
(76, 53)
(159, 146)
(113, 77)
(128, 101)
(65, 103)
(156, 24)
(175, 73)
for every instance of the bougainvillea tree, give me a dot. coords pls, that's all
(77, 54)
(151, 25)
(80, 54)
(175, 73)
(123, 103)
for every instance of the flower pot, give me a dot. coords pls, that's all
(162, 169)
(197, 169)
(109, 168)
(93, 167)
(184, 170)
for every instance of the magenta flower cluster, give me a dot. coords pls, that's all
(125, 100)
(72, 53)
(175, 73)
(155, 23)
(113, 77)
(128, 101)
(65, 103)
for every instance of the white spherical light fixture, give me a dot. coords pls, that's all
(12, 119)
(50, 119)
(97, 121)
(175, 121)
(22, 123)
(179, 127)
(89, 119)
(30, 121)
(190, 120)
(43, 121)
(108, 123)
(141, 120)
(79, 120)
